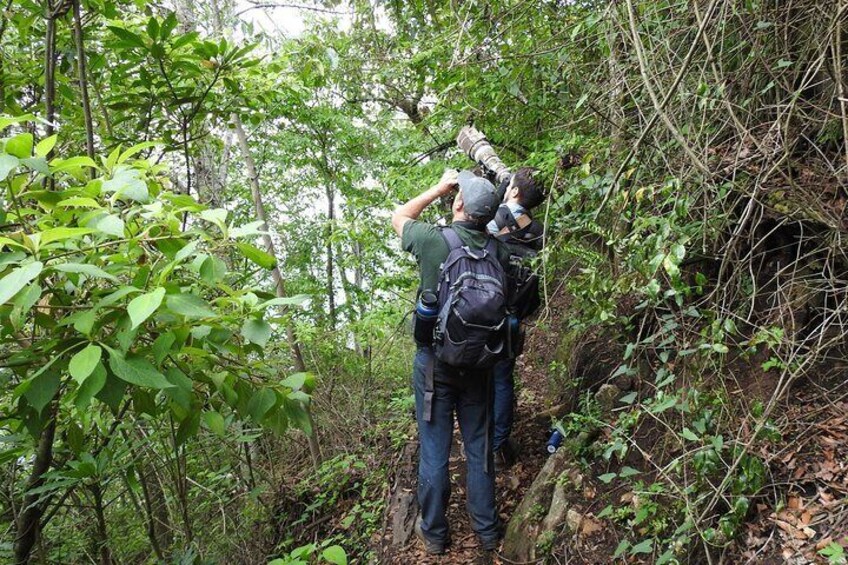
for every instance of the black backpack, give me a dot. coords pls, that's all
(471, 330)
(524, 244)
(529, 238)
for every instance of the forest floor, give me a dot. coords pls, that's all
(530, 436)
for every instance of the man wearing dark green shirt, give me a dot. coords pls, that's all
(442, 390)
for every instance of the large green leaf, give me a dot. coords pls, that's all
(188, 427)
(260, 403)
(90, 387)
(117, 295)
(83, 363)
(186, 251)
(142, 307)
(112, 391)
(189, 305)
(42, 389)
(135, 149)
(23, 302)
(181, 392)
(127, 184)
(84, 269)
(46, 145)
(83, 321)
(20, 146)
(217, 216)
(59, 234)
(247, 230)
(215, 422)
(37, 164)
(335, 554)
(136, 370)
(6, 121)
(13, 258)
(213, 270)
(128, 38)
(296, 381)
(72, 164)
(17, 279)
(168, 25)
(79, 202)
(162, 346)
(261, 258)
(7, 165)
(109, 224)
(256, 331)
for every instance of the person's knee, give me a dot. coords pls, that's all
(433, 470)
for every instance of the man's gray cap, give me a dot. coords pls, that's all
(478, 196)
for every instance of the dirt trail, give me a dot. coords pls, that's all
(530, 436)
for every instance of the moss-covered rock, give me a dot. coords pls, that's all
(526, 525)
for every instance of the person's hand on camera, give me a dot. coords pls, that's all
(448, 183)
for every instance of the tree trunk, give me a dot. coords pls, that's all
(50, 79)
(101, 535)
(279, 282)
(29, 520)
(331, 291)
(83, 81)
(838, 74)
(4, 22)
(50, 72)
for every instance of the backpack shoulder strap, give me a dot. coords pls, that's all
(492, 247)
(451, 239)
(504, 218)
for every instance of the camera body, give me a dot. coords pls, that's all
(474, 143)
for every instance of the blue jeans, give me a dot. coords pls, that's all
(469, 394)
(504, 400)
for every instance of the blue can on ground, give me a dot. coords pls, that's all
(554, 441)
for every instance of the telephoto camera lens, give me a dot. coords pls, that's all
(478, 148)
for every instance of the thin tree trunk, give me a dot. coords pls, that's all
(155, 506)
(331, 219)
(181, 483)
(4, 22)
(50, 72)
(83, 81)
(616, 78)
(101, 534)
(106, 120)
(279, 282)
(50, 78)
(840, 87)
(29, 520)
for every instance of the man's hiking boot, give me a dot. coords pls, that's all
(505, 456)
(431, 547)
(492, 544)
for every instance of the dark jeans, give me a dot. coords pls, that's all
(469, 394)
(504, 400)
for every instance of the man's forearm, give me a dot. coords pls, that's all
(413, 208)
